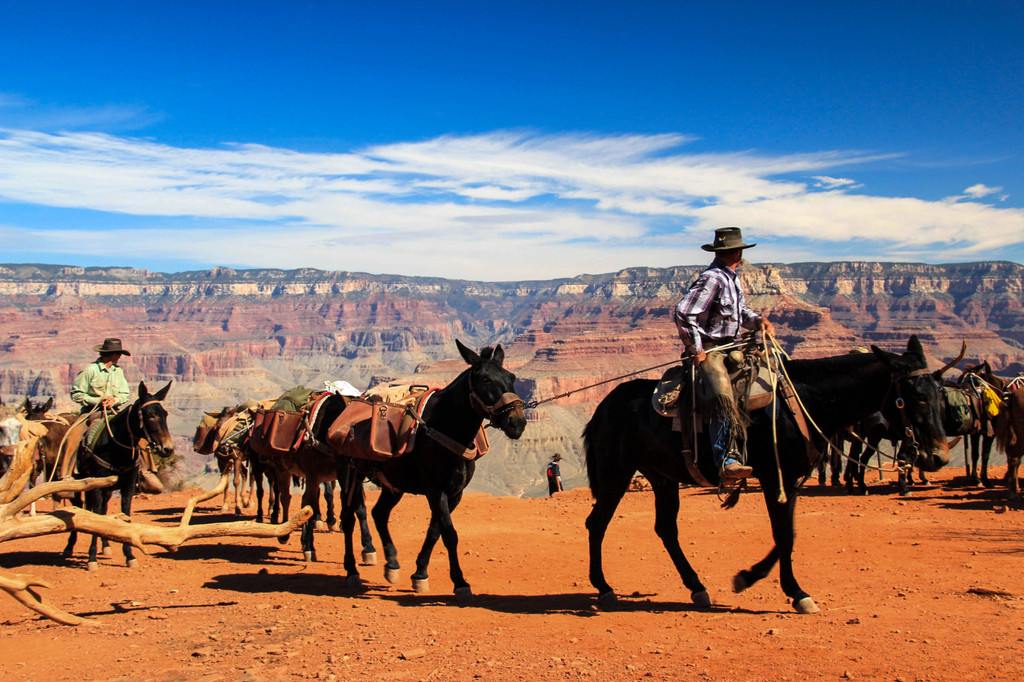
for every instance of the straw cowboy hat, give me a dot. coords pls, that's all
(726, 239)
(110, 346)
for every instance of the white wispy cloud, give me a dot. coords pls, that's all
(504, 205)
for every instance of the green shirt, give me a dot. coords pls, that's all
(98, 380)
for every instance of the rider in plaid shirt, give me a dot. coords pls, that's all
(711, 314)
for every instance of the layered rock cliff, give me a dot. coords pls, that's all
(224, 335)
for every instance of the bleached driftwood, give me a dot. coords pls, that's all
(13, 526)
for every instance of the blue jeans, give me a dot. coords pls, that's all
(719, 435)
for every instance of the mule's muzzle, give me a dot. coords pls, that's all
(937, 458)
(513, 422)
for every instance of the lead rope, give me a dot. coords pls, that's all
(899, 468)
(769, 354)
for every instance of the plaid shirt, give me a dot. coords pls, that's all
(714, 309)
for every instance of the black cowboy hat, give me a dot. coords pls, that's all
(727, 239)
(556, 458)
(111, 346)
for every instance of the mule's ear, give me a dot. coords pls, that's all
(48, 405)
(27, 405)
(914, 346)
(162, 393)
(467, 354)
(883, 355)
(143, 391)
(499, 354)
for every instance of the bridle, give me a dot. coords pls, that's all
(132, 445)
(909, 440)
(502, 406)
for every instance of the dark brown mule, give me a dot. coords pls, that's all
(453, 416)
(626, 435)
(117, 451)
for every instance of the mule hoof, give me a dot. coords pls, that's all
(107, 552)
(369, 558)
(607, 600)
(420, 586)
(806, 605)
(701, 599)
(333, 527)
(739, 583)
(133, 563)
(309, 555)
(320, 526)
(353, 581)
(464, 595)
(92, 566)
(392, 575)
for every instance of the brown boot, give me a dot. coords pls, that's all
(734, 470)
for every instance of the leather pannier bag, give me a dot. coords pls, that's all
(373, 430)
(204, 441)
(277, 432)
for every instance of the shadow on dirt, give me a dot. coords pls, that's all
(575, 603)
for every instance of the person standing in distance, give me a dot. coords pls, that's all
(554, 475)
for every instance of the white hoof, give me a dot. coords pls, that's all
(420, 586)
(133, 563)
(806, 605)
(607, 600)
(392, 575)
(107, 551)
(92, 566)
(369, 558)
(308, 556)
(320, 526)
(739, 583)
(701, 599)
(353, 581)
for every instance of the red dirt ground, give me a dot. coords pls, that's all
(921, 588)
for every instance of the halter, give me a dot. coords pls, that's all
(133, 445)
(503, 405)
(909, 440)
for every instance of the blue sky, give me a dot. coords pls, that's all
(508, 140)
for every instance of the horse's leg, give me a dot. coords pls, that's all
(972, 458)
(441, 507)
(781, 516)
(381, 515)
(284, 497)
(369, 551)
(236, 462)
(1012, 465)
(836, 463)
(224, 465)
(126, 509)
(97, 505)
(258, 478)
(69, 549)
(331, 519)
(105, 548)
(666, 525)
(606, 499)
(350, 501)
(311, 498)
(986, 452)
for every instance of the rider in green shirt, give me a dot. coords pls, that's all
(102, 386)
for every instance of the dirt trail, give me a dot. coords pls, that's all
(927, 587)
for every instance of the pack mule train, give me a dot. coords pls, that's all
(116, 451)
(626, 435)
(439, 465)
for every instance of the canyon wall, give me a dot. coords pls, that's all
(224, 335)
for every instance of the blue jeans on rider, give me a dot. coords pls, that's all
(719, 434)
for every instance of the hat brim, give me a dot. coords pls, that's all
(102, 351)
(712, 247)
